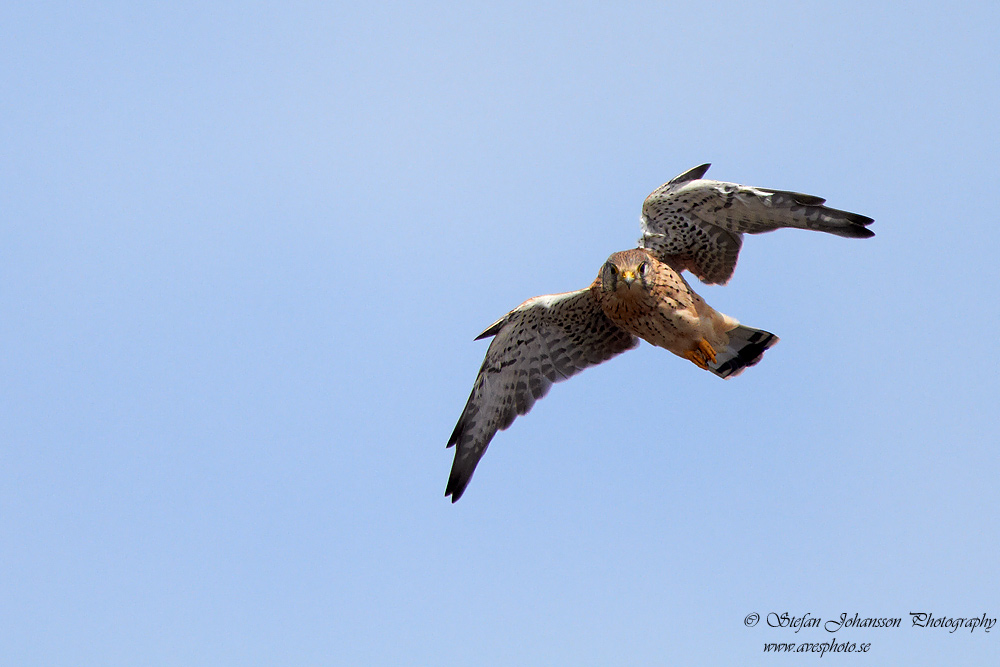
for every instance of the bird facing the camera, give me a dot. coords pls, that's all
(651, 300)
(689, 223)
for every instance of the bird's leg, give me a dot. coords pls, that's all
(707, 350)
(701, 354)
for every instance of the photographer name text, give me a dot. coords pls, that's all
(918, 619)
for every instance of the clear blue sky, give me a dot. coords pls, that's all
(245, 248)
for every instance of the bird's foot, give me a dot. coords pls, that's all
(701, 354)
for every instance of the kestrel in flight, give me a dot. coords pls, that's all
(689, 223)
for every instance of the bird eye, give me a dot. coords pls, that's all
(643, 267)
(612, 269)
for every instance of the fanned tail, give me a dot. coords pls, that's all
(746, 347)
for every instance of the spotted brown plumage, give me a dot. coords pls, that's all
(651, 300)
(544, 340)
(688, 224)
(698, 224)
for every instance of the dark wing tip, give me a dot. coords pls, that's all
(457, 482)
(855, 218)
(691, 174)
(492, 331)
(858, 227)
(464, 465)
(494, 328)
(456, 434)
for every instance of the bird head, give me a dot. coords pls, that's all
(626, 271)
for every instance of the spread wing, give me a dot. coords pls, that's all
(697, 224)
(544, 340)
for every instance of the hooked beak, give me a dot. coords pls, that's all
(628, 277)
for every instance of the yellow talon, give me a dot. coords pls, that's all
(695, 357)
(707, 350)
(701, 354)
